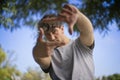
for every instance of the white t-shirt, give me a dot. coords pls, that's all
(73, 61)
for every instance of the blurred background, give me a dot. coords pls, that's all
(18, 33)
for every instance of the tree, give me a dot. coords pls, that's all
(9, 71)
(104, 78)
(102, 12)
(115, 76)
(6, 70)
(14, 13)
(35, 74)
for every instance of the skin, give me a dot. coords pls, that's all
(71, 15)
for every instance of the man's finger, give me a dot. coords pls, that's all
(70, 29)
(71, 8)
(67, 11)
(41, 34)
(62, 17)
(67, 7)
(51, 19)
(55, 43)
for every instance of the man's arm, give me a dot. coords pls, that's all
(43, 61)
(72, 15)
(86, 30)
(41, 52)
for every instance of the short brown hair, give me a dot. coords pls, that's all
(46, 26)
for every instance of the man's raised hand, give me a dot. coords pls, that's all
(46, 47)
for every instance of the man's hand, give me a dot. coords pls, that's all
(69, 14)
(45, 48)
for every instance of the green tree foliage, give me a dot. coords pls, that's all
(35, 74)
(6, 70)
(110, 77)
(2, 56)
(15, 13)
(102, 12)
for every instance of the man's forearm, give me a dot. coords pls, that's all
(86, 29)
(44, 62)
(83, 23)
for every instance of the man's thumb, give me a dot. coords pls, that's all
(41, 34)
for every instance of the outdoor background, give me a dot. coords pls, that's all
(18, 35)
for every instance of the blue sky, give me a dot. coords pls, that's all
(106, 51)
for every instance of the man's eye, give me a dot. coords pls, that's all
(54, 31)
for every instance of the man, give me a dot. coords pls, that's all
(63, 58)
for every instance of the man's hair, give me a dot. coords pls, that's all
(42, 24)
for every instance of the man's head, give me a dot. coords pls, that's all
(53, 29)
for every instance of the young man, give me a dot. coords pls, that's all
(63, 58)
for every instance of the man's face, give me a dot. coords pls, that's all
(53, 30)
(56, 34)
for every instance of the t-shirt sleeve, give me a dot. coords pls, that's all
(80, 46)
(92, 46)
